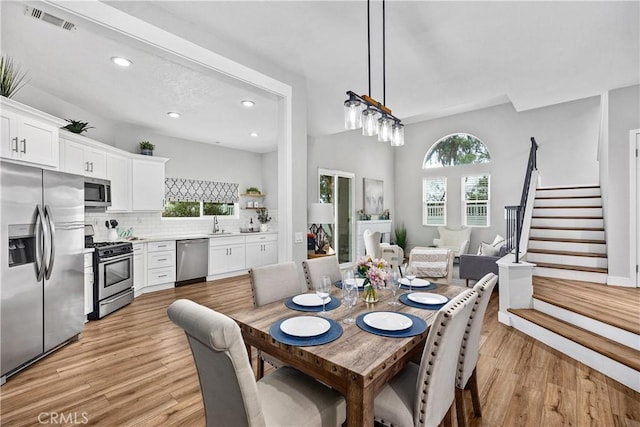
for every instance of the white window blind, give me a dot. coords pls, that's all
(434, 201)
(475, 200)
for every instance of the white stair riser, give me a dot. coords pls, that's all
(566, 222)
(585, 276)
(591, 212)
(581, 261)
(616, 334)
(567, 234)
(568, 246)
(568, 192)
(568, 202)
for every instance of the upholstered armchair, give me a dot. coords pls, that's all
(456, 240)
(393, 254)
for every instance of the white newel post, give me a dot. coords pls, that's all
(516, 287)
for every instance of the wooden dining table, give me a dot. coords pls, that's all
(358, 363)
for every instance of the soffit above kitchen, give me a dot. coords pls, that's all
(75, 66)
(443, 57)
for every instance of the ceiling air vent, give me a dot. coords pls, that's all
(44, 16)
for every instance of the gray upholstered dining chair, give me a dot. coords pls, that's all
(315, 268)
(423, 395)
(232, 396)
(466, 378)
(272, 283)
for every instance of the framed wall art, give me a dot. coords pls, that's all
(373, 190)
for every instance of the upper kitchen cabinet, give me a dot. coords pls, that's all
(80, 156)
(28, 135)
(148, 183)
(119, 173)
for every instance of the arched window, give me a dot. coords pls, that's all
(456, 149)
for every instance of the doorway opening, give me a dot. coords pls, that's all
(338, 188)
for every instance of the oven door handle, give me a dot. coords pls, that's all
(115, 258)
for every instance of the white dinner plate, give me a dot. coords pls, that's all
(417, 283)
(427, 298)
(388, 321)
(305, 326)
(309, 300)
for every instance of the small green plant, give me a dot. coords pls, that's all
(146, 145)
(76, 126)
(11, 77)
(252, 190)
(263, 215)
(401, 236)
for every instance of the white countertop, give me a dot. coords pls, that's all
(160, 237)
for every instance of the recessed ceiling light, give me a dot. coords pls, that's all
(122, 62)
(253, 134)
(248, 103)
(173, 114)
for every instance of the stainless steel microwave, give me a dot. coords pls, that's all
(97, 193)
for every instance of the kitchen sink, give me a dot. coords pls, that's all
(223, 233)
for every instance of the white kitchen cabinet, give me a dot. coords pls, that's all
(226, 254)
(147, 184)
(83, 159)
(161, 263)
(88, 283)
(29, 135)
(119, 173)
(261, 250)
(139, 267)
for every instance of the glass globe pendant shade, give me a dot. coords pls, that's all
(352, 114)
(384, 128)
(370, 122)
(397, 135)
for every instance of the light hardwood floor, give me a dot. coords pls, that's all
(134, 368)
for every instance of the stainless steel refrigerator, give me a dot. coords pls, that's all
(42, 262)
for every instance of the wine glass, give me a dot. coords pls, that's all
(349, 298)
(410, 274)
(323, 290)
(394, 283)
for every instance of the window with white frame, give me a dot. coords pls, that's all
(434, 201)
(189, 198)
(475, 200)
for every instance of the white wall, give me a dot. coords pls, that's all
(624, 115)
(567, 134)
(351, 152)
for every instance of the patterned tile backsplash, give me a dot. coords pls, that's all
(149, 224)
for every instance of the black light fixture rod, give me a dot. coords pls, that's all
(369, 45)
(378, 106)
(384, 58)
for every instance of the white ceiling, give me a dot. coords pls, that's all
(442, 58)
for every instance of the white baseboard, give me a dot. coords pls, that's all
(611, 368)
(154, 288)
(626, 282)
(504, 318)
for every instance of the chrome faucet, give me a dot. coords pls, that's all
(215, 224)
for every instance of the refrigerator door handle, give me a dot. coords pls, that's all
(52, 242)
(42, 234)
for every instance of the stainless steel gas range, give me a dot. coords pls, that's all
(112, 276)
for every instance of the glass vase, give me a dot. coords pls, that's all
(370, 293)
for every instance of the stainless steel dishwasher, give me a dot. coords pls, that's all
(192, 257)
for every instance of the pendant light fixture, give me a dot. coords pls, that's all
(374, 117)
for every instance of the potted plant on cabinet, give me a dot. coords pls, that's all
(11, 77)
(146, 148)
(264, 218)
(76, 126)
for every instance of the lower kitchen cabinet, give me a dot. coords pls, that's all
(226, 254)
(88, 283)
(261, 250)
(139, 267)
(161, 263)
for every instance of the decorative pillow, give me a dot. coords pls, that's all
(497, 240)
(487, 249)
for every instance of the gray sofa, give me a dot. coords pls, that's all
(475, 267)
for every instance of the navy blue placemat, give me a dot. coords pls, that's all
(334, 332)
(406, 301)
(418, 327)
(334, 303)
